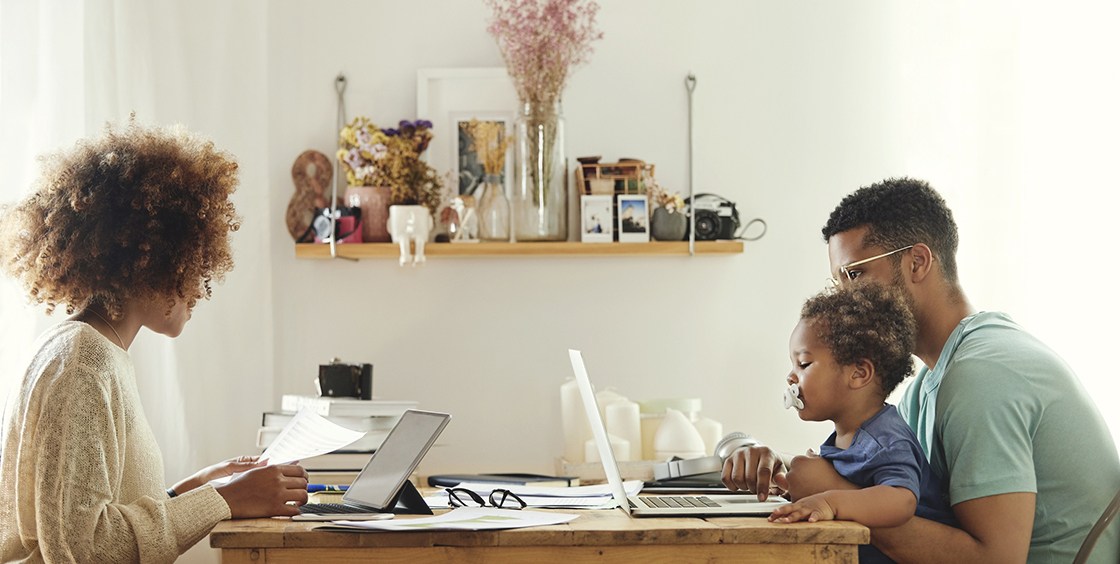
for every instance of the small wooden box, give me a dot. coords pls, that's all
(612, 178)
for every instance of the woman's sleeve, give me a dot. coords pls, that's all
(80, 458)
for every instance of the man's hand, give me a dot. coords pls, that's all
(265, 492)
(751, 469)
(813, 508)
(219, 470)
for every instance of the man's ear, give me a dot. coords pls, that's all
(863, 374)
(921, 262)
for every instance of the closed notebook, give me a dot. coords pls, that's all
(513, 479)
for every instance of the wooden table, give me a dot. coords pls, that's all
(596, 536)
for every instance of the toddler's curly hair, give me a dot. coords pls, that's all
(866, 321)
(139, 212)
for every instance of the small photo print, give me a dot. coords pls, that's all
(596, 219)
(633, 218)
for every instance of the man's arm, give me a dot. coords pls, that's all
(994, 529)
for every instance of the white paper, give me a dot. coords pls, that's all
(307, 434)
(463, 518)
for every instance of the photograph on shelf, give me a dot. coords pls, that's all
(449, 96)
(465, 164)
(633, 218)
(596, 219)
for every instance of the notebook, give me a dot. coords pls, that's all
(382, 487)
(657, 505)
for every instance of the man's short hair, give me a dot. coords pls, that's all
(900, 212)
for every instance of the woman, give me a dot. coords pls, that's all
(124, 231)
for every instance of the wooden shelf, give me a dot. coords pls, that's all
(554, 249)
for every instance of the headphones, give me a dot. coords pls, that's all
(705, 464)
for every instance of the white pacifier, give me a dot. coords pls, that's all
(791, 399)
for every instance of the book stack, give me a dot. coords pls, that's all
(374, 417)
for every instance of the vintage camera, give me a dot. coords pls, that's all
(715, 217)
(341, 380)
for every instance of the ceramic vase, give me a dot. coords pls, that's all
(668, 226)
(410, 226)
(374, 202)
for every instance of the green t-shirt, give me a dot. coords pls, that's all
(1001, 413)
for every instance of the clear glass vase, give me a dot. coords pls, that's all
(540, 198)
(493, 210)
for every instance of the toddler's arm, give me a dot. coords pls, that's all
(876, 506)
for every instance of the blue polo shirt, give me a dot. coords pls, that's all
(885, 452)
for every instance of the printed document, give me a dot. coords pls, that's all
(307, 434)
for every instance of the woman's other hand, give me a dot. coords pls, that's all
(219, 470)
(266, 492)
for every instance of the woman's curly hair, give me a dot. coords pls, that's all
(866, 321)
(140, 212)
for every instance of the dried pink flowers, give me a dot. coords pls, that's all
(541, 40)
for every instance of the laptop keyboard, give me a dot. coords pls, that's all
(328, 508)
(677, 501)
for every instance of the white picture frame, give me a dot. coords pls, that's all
(596, 223)
(449, 96)
(633, 218)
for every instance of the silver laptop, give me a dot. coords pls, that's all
(657, 505)
(378, 487)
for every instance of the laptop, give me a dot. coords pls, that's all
(657, 505)
(382, 486)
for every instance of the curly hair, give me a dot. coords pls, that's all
(143, 212)
(900, 212)
(866, 321)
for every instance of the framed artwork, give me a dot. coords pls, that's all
(449, 97)
(466, 167)
(633, 218)
(596, 219)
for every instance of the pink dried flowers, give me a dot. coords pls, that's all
(541, 40)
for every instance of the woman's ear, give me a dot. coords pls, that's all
(863, 374)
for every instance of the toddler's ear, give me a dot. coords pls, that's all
(863, 374)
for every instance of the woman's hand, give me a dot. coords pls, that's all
(266, 492)
(219, 470)
(751, 469)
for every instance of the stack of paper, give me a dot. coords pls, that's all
(578, 497)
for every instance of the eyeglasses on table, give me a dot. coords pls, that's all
(500, 498)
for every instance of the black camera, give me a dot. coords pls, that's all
(715, 217)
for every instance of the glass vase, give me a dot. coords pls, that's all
(540, 197)
(493, 210)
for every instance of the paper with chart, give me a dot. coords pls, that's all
(578, 497)
(463, 518)
(307, 434)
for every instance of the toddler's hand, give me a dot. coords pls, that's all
(812, 509)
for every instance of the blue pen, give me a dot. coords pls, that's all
(326, 488)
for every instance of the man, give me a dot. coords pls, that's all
(1021, 448)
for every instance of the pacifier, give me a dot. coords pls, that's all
(792, 399)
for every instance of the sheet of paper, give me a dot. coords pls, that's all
(463, 518)
(307, 434)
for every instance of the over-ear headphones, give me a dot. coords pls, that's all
(703, 465)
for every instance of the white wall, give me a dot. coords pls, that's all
(797, 104)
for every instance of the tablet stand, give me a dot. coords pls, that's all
(408, 501)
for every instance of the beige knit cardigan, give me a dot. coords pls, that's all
(81, 475)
